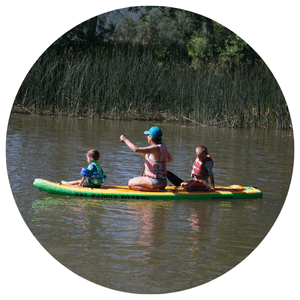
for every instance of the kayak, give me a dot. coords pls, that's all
(170, 192)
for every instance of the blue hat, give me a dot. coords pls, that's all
(154, 132)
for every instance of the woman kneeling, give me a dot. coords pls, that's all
(156, 159)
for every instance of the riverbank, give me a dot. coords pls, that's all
(160, 117)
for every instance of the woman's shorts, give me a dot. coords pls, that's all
(158, 183)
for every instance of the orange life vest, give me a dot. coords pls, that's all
(154, 168)
(199, 171)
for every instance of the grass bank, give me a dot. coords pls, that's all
(135, 84)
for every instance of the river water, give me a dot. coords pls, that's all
(141, 246)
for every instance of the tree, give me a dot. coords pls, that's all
(148, 26)
(200, 48)
(126, 30)
(220, 44)
(86, 35)
(176, 27)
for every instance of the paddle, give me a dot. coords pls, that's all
(174, 179)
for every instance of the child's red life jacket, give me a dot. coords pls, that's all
(153, 167)
(199, 172)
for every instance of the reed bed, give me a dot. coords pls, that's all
(134, 84)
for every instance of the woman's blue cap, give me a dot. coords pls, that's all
(154, 132)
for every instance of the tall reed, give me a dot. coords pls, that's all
(129, 83)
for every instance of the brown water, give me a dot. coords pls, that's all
(146, 246)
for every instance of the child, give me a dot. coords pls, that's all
(201, 172)
(92, 175)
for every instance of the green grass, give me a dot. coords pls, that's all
(134, 84)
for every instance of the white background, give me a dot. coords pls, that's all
(28, 28)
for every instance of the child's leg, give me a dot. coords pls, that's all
(76, 182)
(186, 183)
(196, 185)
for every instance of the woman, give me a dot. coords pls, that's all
(156, 159)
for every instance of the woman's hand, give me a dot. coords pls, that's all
(122, 138)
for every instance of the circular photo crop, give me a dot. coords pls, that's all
(150, 150)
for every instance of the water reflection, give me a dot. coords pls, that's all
(200, 217)
(153, 221)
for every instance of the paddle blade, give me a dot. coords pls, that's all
(174, 179)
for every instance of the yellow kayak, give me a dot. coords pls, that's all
(170, 192)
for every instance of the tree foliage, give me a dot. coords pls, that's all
(126, 30)
(199, 38)
(224, 46)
